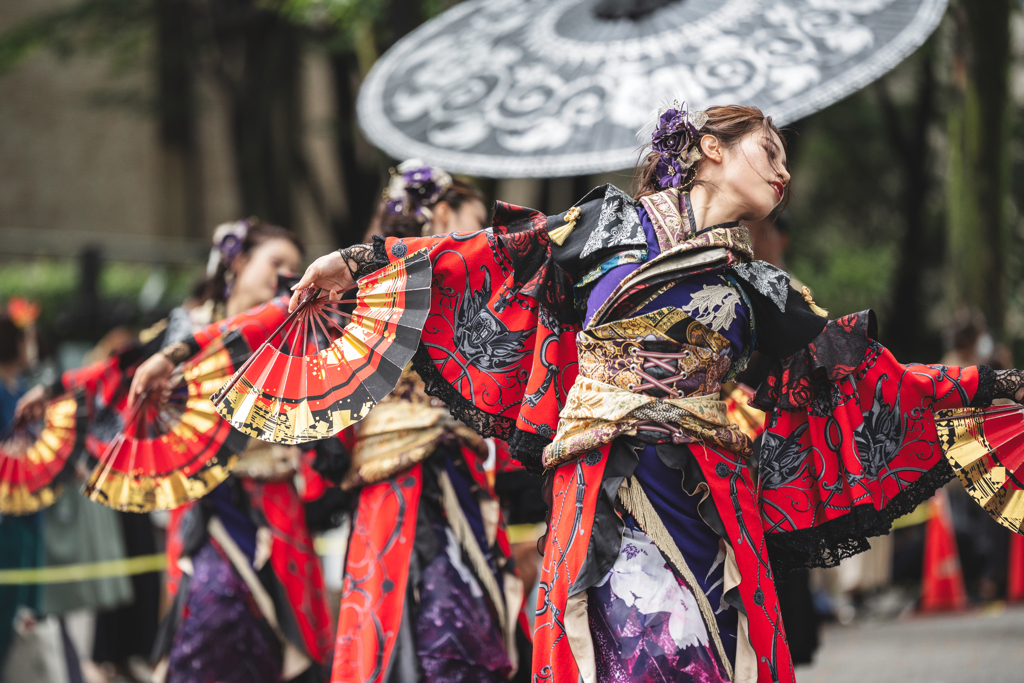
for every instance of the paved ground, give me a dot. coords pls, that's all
(984, 647)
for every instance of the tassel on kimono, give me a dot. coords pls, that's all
(815, 308)
(560, 234)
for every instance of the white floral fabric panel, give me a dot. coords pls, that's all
(617, 226)
(641, 578)
(767, 279)
(714, 306)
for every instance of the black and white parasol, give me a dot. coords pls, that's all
(541, 88)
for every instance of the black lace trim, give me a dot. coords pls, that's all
(361, 259)
(800, 380)
(523, 446)
(986, 387)
(1007, 383)
(528, 449)
(826, 544)
(380, 253)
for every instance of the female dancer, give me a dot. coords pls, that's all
(427, 517)
(596, 342)
(251, 605)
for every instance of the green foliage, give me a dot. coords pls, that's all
(120, 28)
(850, 278)
(843, 219)
(53, 284)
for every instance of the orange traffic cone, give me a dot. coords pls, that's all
(1015, 572)
(942, 582)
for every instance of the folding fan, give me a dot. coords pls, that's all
(103, 386)
(34, 453)
(174, 448)
(330, 362)
(985, 447)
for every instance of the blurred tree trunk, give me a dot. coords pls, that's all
(258, 60)
(405, 16)
(978, 178)
(905, 321)
(361, 165)
(360, 175)
(181, 184)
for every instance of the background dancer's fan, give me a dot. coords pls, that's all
(314, 375)
(102, 387)
(985, 447)
(34, 453)
(174, 448)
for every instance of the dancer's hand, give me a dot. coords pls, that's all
(151, 377)
(32, 405)
(330, 273)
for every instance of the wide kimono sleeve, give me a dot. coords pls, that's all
(103, 379)
(499, 344)
(255, 325)
(851, 442)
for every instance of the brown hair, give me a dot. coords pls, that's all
(11, 337)
(258, 233)
(729, 124)
(401, 225)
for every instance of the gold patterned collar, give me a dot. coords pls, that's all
(671, 214)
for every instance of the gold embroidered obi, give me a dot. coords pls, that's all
(660, 373)
(402, 430)
(267, 461)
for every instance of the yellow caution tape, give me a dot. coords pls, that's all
(143, 564)
(920, 515)
(526, 533)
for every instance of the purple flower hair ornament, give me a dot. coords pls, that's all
(414, 189)
(676, 140)
(227, 244)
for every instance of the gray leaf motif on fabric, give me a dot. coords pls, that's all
(767, 279)
(783, 458)
(618, 225)
(481, 337)
(714, 306)
(879, 437)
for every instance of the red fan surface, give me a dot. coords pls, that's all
(173, 448)
(330, 362)
(985, 447)
(34, 453)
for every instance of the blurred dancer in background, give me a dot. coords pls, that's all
(248, 591)
(449, 610)
(251, 603)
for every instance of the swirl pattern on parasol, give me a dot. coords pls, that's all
(35, 453)
(314, 376)
(174, 448)
(985, 447)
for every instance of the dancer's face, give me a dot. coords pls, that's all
(256, 272)
(751, 174)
